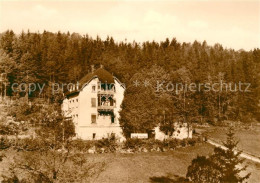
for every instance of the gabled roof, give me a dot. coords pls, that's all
(103, 75)
(71, 93)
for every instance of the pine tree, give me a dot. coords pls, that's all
(227, 160)
(220, 167)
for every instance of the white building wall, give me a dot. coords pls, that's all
(119, 96)
(181, 132)
(85, 109)
(70, 108)
(103, 126)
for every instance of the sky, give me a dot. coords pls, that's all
(234, 24)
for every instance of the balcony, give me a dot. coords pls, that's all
(105, 108)
(106, 92)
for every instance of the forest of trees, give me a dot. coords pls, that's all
(63, 58)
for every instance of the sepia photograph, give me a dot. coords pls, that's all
(129, 91)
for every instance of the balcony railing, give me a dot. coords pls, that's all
(106, 91)
(105, 107)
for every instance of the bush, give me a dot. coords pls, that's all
(133, 144)
(81, 145)
(29, 144)
(5, 143)
(173, 143)
(52, 166)
(184, 142)
(8, 129)
(192, 142)
(106, 145)
(152, 144)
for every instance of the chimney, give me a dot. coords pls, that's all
(92, 68)
(101, 66)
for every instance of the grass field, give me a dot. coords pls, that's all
(158, 167)
(145, 167)
(168, 166)
(249, 139)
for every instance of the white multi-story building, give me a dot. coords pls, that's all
(94, 106)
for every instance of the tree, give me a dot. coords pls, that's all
(7, 69)
(51, 159)
(137, 112)
(7, 64)
(186, 108)
(6, 41)
(201, 170)
(221, 166)
(58, 57)
(166, 113)
(227, 160)
(140, 105)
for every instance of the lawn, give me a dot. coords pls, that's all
(157, 166)
(248, 138)
(145, 167)
(168, 166)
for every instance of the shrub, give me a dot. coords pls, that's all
(8, 129)
(184, 142)
(5, 143)
(29, 144)
(201, 170)
(81, 145)
(107, 145)
(192, 142)
(52, 166)
(133, 144)
(173, 143)
(152, 144)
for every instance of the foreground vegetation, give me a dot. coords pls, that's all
(224, 165)
(37, 160)
(51, 155)
(167, 166)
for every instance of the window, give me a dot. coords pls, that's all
(93, 118)
(93, 102)
(93, 88)
(77, 100)
(112, 119)
(93, 136)
(114, 103)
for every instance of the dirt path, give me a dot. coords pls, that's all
(243, 155)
